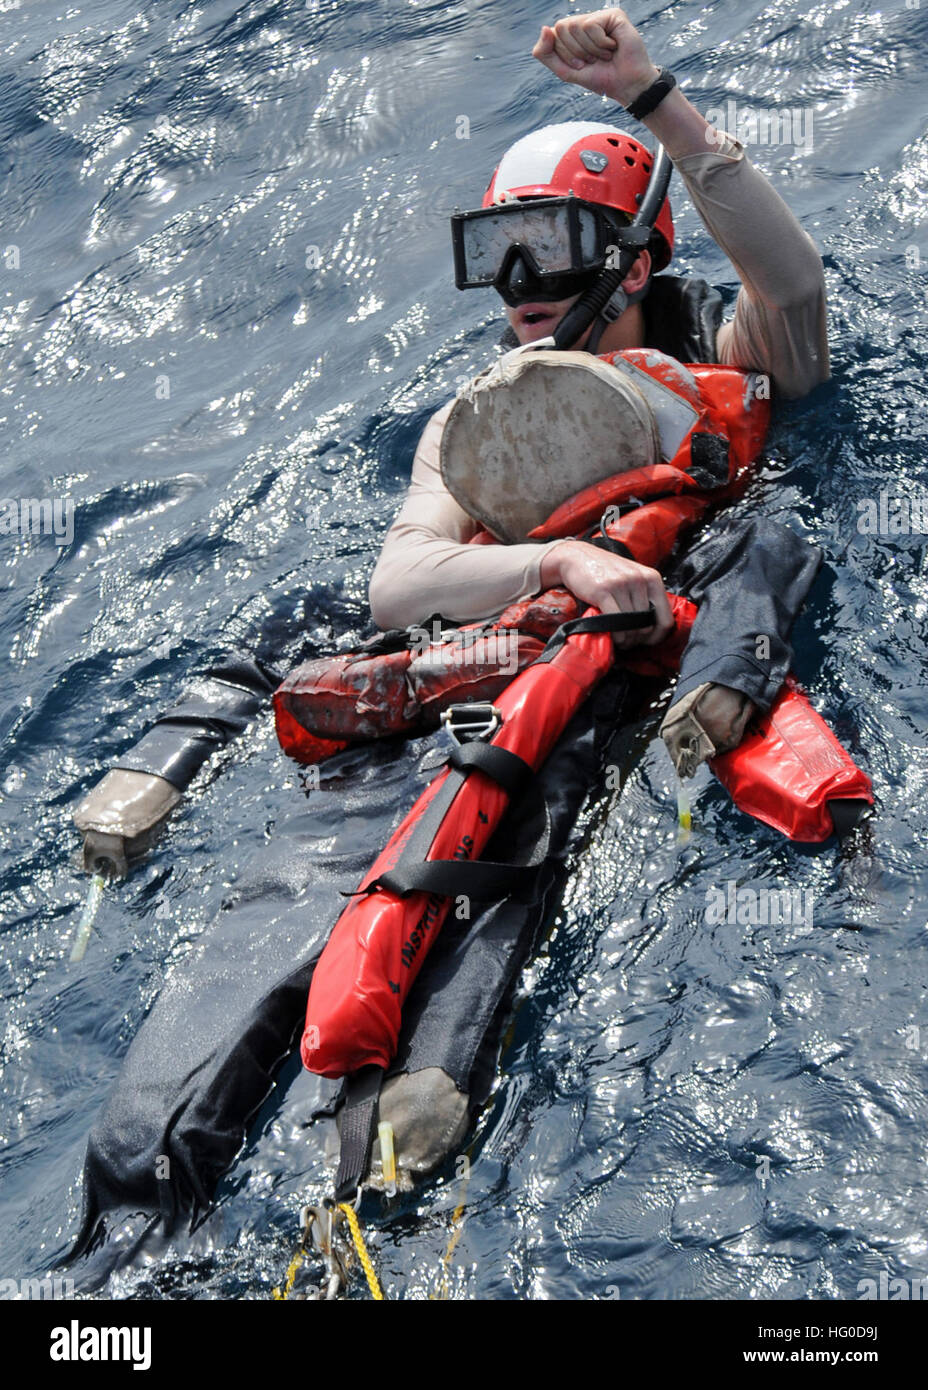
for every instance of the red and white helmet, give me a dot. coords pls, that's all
(589, 160)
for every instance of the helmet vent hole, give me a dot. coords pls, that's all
(629, 160)
(611, 141)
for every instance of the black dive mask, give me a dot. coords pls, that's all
(542, 249)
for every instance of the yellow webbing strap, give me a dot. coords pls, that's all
(361, 1248)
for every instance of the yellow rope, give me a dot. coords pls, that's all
(284, 1293)
(363, 1256)
(457, 1229)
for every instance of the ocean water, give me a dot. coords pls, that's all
(228, 309)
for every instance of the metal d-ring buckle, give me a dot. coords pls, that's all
(468, 722)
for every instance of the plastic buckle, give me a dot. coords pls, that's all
(465, 723)
(614, 307)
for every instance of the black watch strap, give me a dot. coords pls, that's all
(652, 96)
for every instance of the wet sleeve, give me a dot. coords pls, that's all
(750, 580)
(215, 708)
(426, 565)
(779, 326)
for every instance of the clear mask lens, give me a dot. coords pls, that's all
(545, 233)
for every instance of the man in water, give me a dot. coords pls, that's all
(778, 329)
(427, 565)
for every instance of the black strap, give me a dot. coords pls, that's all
(424, 832)
(395, 639)
(650, 99)
(508, 769)
(614, 547)
(601, 622)
(399, 639)
(359, 1120)
(598, 535)
(482, 880)
(596, 332)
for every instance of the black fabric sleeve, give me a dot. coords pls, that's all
(214, 708)
(750, 581)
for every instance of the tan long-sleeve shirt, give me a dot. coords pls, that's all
(779, 327)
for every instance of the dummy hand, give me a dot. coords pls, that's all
(602, 51)
(611, 584)
(711, 720)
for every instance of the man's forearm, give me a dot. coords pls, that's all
(780, 321)
(420, 573)
(680, 128)
(780, 325)
(752, 224)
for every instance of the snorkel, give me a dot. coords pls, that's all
(631, 240)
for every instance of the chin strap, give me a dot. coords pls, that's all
(613, 308)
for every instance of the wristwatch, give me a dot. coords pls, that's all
(652, 96)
